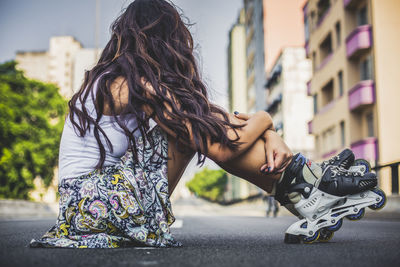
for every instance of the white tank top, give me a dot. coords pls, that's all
(79, 155)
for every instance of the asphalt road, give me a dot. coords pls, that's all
(218, 241)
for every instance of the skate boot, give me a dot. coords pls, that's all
(344, 159)
(322, 197)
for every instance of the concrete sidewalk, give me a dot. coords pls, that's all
(22, 209)
(191, 206)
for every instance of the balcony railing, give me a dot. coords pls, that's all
(274, 103)
(363, 93)
(327, 107)
(358, 41)
(322, 18)
(325, 61)
(394, 167)
(273, 77)
(366, 149)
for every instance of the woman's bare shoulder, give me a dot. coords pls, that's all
(120, 93)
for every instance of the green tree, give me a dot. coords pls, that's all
(31, 122)
(209, 184)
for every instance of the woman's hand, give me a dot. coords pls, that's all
(278, 153)
(242, 116)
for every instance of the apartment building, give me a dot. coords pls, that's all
(34, 64)
(353, 46)
(63, 64)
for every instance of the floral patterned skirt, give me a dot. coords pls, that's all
(126, 204)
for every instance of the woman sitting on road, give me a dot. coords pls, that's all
(140, 116)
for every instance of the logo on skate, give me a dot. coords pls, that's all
(309, 163)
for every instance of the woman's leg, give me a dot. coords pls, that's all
(177, 163)
(246, 166)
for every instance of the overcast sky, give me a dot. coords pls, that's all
(28, 24)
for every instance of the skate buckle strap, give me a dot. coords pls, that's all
(290, 174)
(303, 188)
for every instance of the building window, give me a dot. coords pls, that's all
(324, 144)
(306, 29)
(362, 16)
(325, 47)
(365, 69)
(328, 140)
(323, 6)
(314, 61)
(338, 34)
(370, 124)
(327, 93)
(312, 20)
(340, 81)
(315, 101)
(331, 139)
(342, 134)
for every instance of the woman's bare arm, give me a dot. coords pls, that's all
(248, 134)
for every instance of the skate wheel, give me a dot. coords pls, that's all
(325, 235)
(356, 217)
(336, 226)
(311, 239)
(292, 239)
(363, 162)
(381, 203)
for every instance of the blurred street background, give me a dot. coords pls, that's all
(326, 71)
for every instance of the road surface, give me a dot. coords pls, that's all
(218, 241)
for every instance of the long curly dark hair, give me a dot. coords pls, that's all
(149, 40)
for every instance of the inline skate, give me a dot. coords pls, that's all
(322, 194)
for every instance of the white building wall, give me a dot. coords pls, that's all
(62, 53)
(296, 105)
(85, 59)
(295, 108)
(238, 65)
(33, 64)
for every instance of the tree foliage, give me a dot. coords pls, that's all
(209, 184)
(31, 122)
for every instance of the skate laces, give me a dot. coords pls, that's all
(338, 171)
(333, 161)
(330, 161)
